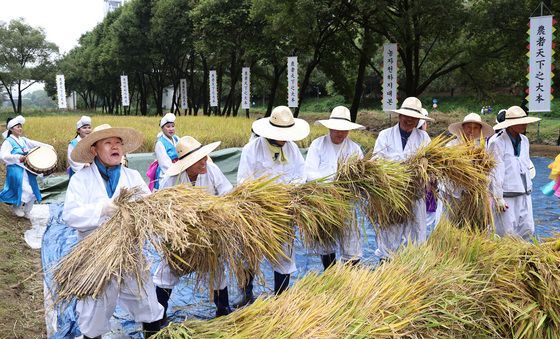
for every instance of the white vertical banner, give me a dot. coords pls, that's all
(245, 88)
(61, 91)
(540, 59)
(183, 93)
(389, 77)
(124, 90)
(213, 82)
(292, 82)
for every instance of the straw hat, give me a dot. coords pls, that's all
(189, 151)
(412, 107)
(457, 127)
(131, 138)
(282, 126)
(339, 120)
(515, 115)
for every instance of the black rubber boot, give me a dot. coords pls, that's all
(163, 295)
(328, 260)
(281, 282)
(221, 299)
(353, 262)
(86, 337)
(247, 296)
(150, 329)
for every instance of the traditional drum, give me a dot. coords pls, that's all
(41, 160)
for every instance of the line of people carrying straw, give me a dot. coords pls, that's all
(95, 158)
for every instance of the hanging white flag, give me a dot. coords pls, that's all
(389, 77)
(292, 82)
(124, 90)
(61, 91)
(183, 92)
(245, 88)
(540, 57)
(213, 82)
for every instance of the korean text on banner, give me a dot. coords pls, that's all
(124, 90)
(213, 88)
(389, 77)
(183, 92)
(292, 82)
(245, 88)
(61, 91)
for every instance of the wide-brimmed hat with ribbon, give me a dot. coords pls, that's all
(131, 139)
(412, 107)
(339, 120)
(457, 127)
(281, 126)
(189, 151)
(515, 115)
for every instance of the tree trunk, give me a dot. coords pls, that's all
(365, 54)
(278, 70)
(308, 70)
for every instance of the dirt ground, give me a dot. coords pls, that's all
(22, 314)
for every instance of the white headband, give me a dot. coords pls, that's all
(84, 120)
(167, 118)
(19, 120)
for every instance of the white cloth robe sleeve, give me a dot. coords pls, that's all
(322, 159)
(86, 195)
(6, 149)
(496, 149)
(75, 166)
(164, 161)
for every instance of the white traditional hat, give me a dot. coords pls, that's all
(167, 118)
(339, 120)
(131, 139)
(422, 121)
(189, 151)
(281, 126)
(412, 107)
(457, 127)
(19, 120)
(84, 121)
(515, 115)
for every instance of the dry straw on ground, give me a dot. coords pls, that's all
(460, 283)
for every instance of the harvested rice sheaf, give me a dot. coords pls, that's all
(461, 283)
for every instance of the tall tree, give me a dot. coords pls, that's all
(26, 57)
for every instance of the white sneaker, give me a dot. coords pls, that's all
(18, 211)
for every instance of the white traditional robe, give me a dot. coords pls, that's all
(511, 180)
(257, 161)
(85, 198)
(389, 146)
(322, 162)
(215, 183)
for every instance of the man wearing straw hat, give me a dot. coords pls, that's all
(194, 169)
(511, 178)
(88, 204)
(399, 143)
(471, 129)
(322, 161)
(274, 154)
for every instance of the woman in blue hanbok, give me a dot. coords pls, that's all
(20, 187)
(83, 128)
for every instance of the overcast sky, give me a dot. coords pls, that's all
(63, 21)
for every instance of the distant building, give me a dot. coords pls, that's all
(111, 5)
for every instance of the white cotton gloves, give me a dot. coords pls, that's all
(109, 208)
(501, 205)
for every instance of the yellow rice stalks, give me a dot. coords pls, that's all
(459, 284)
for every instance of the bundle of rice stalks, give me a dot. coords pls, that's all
(380, 187)
(114, 251)
(417, 294)
(525, 301)
(323, 212)
(460, 283)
